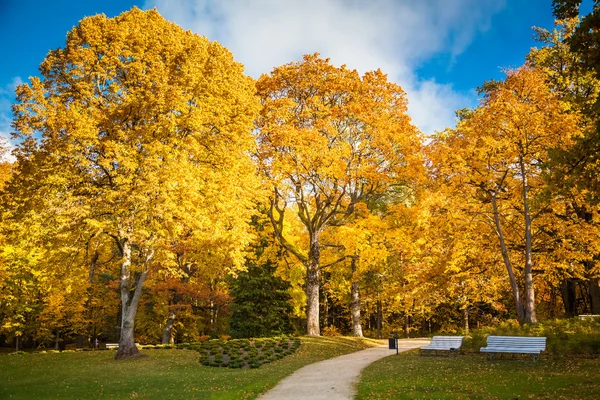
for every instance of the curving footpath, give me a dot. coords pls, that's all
(334, 379)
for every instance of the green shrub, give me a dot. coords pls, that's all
(245, 352)
(235, 364)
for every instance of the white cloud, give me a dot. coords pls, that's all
(432, 106)
(7, 94)
(394, 35)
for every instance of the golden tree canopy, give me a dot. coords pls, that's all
(147, 122)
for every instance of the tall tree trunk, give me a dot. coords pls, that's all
(325, 302)
(507, 263)
(167, 336)
(407, 326)
(594, 295)
(174, 301)
(89, 307)
(530, 313)
(356, 326)
(355, 294)
(379, 318)
(312, 300)
(93, 262)
(313, 284)
(568, 294)
(466, 320)
(129, 303)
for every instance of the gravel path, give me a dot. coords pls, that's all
(333, 379)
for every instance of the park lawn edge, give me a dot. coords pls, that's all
(171, 373)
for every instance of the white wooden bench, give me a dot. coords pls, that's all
(515, 345)
(116, 345)
(444, 343)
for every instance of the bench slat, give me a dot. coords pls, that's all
(514, 344)
(444, 343)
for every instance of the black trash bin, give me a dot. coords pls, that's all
(392, 343)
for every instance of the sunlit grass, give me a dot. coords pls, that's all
(473, 376)
(166, 374)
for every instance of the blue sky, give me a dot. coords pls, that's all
(439, 51)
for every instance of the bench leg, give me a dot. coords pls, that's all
(491, 356)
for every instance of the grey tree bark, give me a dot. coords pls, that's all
(313, 286)
(355, 295)
(530, 312)
(379, 318)
(507, 262)
(130, 286)
(167, 336)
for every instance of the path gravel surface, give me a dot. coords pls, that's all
(336, 378)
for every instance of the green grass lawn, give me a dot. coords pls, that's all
(473, 376)
(166, 374)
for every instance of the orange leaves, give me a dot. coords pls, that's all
(492, 166)
(326, 128)
(149, 118)
(139, 132)
(329, 139)
(520, 117)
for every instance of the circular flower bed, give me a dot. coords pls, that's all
(240, 353)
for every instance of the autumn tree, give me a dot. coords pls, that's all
(571, 172)
(460, 272)
(585, 38)
(34, 219)
(197, 274)
(582, 40)
(499, 149)
(329, 139)
(147, 128)
(363, 242)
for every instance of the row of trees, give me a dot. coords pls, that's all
(151, 173)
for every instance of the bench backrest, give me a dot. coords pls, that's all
(448, 339)
(520, 342)
(450, 342)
